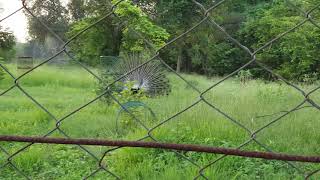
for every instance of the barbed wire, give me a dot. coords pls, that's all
(206, 18)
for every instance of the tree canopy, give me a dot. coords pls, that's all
(7, 43)
(145, 26)
(51, 13)
(128, 30)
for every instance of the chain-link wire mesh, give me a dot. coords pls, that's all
(206, 18)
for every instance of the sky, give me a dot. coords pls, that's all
(18, 22)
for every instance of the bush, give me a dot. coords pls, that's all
(244, 76)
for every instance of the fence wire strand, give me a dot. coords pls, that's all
(201, 99)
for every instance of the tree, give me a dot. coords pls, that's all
(182, 16)
(53, 14)
(77, 9)
(204, 50)
(7, 43)
(116, 33)
(294, 56)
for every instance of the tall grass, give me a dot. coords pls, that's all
(63, 90)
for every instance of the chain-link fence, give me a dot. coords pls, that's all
(206, 18)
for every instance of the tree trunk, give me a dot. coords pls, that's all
(186, 58)
(179, 62)
(117, 36)
(204, 63)
(187, 62)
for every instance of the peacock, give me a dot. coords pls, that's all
(150, 77)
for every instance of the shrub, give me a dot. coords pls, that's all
(244, 76)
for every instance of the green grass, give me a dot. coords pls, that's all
(62, 90)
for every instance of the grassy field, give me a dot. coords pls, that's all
(62, 90)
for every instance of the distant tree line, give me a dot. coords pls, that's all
(145, 25)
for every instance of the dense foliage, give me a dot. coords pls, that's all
(296, 55)
(7, 43)
(125, 31)
(207, 50)
(145, 26)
